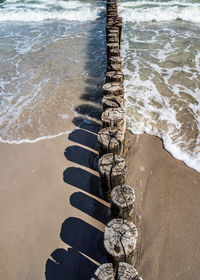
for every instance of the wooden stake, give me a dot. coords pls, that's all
(114, 117)
(114, 88)
(120, 238)
(110, 140)
(104, 272)
(122, 202)
(114, 76)
(112, 169)
(112, 101)
(126, 271)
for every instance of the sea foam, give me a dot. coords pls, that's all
(141, 11)
(49, 10)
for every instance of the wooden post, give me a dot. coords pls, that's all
(120, 238)
(111, 46)
(110, 140)
(122, 202)
(112, 101)
(126, 271)
(115, 61)
(112, 169)
(115, 52)
(114, 76)
(104, 272)
(114, 67)
(114, 88)
(113, 40)
(114, 117)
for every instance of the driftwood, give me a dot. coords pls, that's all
(112, 169)
(114, 76)
(112, 101)
(122, 202)
(110, 141)
(126, 271)
(114, 88)
(120, 238)
(104, 272)
(114, 117)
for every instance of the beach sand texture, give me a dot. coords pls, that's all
(43, 214)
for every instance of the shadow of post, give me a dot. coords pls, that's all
(85, 240)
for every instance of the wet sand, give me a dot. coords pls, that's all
(168, 199)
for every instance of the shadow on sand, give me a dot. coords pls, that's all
(85, 241)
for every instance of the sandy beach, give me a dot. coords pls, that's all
(52, 218)
(47, 206)
(168, 199)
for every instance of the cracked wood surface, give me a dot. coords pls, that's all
(112, 171)
(112, 101)
(110, 141)
(115, 76)
(122, 202)
(104, 272)
(114, 117)
(120, 238)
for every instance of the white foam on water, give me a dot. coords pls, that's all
(49, 10)
(22, 141)
(141, 11)
(155, 110)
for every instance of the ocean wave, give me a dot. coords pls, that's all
(144, 11)
(49, 10)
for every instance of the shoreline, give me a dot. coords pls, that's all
(36, 204)
(167, 199)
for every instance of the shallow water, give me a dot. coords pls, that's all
(162, 73)
(47, 65)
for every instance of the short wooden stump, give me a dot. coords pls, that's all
(122, 202)
(112, 170)
(110, 140)
(127, 272)
(104, 272)
(120, 238)
(114, 76)
(114, 117)
(115, 88)
(112, 101)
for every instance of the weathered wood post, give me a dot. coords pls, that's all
(120, 238)
(110, 140)
(126, 271)
(114, 117)
(114, 88)
(112, 169)
(114, 76)
(111, 46)
(104, 272)
(112, 101)
(122, 202)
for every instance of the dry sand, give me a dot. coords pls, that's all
(52, 219)
(168, 201)
(43, 214)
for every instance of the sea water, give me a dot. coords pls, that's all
(50, 54)
(161, 49)
(48, 49)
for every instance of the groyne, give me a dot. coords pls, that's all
(121, 234)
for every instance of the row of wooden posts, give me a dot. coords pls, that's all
(120, 236)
